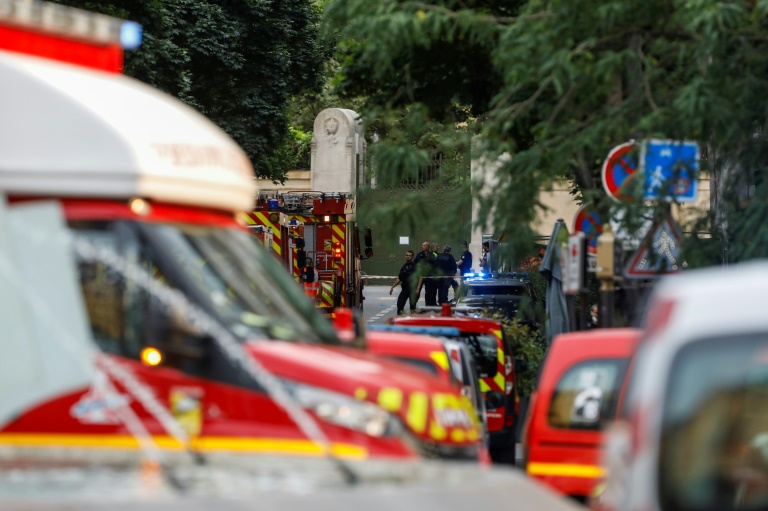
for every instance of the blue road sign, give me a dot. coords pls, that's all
(670, 163)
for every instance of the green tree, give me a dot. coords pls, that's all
(555, 84)
(239, 62)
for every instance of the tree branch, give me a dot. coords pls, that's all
(646, 82)
(499, 20)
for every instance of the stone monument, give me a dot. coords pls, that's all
(338, 151)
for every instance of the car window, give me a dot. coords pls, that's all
(425, 365)
(714, 439)
(585, 396)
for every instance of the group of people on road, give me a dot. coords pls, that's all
(431, 270)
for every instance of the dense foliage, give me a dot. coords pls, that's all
(239, 62)
(556, 84)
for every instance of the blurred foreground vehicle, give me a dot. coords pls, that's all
(204, 343)
(491, 349)
(577, 394)
(694, 434)
(438, 351)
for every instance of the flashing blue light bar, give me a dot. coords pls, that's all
(130, 35)
(445, 331)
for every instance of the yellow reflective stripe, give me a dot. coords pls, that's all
(441, 359)
(500, 379)
(264, 220)
(484, 386)
(326, 293)
(338, 230)
(417, 412)
(470, 408)
(127, 442)
(565, 470)
(436, 431)
(390, 399)
(458, 435)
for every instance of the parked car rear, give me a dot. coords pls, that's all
(576, 397)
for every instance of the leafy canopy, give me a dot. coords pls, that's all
(239, 62)
(557, 83)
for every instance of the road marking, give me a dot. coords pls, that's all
(382, 313)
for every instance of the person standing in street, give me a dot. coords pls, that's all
(432, 285)
(446, 266)
(464, 264)
(425, 266)
(310, 279)
(407, 293)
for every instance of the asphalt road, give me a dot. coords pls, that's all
(379, 305)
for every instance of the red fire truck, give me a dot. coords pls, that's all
(296, 225)
(185, 317)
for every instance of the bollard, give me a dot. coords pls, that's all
(605, 273)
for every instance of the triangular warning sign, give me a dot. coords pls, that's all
(659, 253)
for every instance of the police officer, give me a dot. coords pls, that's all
(404, 279)
(464, 265)
(446, 265)
(425, 267)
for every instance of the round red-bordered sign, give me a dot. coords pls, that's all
(618, 168)
(589, 223)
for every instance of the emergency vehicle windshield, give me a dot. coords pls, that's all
(221, 270)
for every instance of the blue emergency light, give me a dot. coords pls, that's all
(130, 35)
(444, 331)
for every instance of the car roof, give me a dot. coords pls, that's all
(502, 281)
(463, 323)
(402, 343)
(710, 302)
(603, 342)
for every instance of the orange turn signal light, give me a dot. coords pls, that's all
(151, 356)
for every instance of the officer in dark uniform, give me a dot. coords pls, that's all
(425, 268)
(446, 265)
(404, 279)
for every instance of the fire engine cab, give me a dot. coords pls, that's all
(320, 222)
(199, 340)
(298, 225)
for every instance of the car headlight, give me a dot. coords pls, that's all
(346, 411)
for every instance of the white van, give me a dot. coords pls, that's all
(694, 433)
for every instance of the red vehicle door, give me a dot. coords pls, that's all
(576, 397)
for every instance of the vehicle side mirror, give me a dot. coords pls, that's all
(349, 327)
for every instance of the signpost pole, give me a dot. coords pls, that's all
(605, 273)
